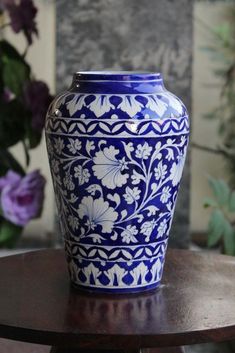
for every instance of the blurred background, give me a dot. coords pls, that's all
(185, 40)
(191, 42)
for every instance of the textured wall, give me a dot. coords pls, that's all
(131, 34)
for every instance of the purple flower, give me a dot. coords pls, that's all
(9, 179)
(22, 15)
(7, 95)
(22, 197)
(37, 99)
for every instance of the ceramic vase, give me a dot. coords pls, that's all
(117, 143)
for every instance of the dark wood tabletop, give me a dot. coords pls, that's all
(195, 303)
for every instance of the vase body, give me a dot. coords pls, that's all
(117, 144)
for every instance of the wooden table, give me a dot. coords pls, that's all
(195, 304)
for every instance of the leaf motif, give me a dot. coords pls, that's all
(91, 127)
(220, 190)
(157, 127)
(174, 124)
(131, 195)
(229, 239)
(139, 253)
(102, 254)
(92, 253)
(232, 202)
(93, 188)
(152, 210)
(215, 227)
(104, 127)
(89, 146)
(143, 128)
(72, 126)
(127, 254)
(56, 125)
(154, 187)
(115, 198)
(140, 217)
(63, 126)
(148, 252)
(124, 213)
(116, 127)
(128, 149)
(181, 125)
(74, 250)
(165, 127)
(81, 127)
(82, 252)
(101, 142)
(114, 236)
(114, 254)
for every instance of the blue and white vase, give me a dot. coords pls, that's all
(117, 143)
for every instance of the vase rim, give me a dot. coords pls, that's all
(126, 76)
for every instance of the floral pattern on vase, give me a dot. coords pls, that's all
(116, 170)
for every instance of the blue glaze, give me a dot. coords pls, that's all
(117, 144)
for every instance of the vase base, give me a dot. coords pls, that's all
(126, 290)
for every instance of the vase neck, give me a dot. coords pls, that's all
(117, 82)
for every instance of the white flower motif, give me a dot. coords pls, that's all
(131, 195)
(93, 188)
(128, 235)
(174, 102)
(177, 169)
(68, 182)
(157, 153)
(90, 146)
(100, 105)
(83, 175)
(170, 154)
(109, 169)
(130, 105)
(49, 147)
(74, 145)
(96, 238)
(55, 165)
(160, 171)
(59, 145)
(136, 177)
(98, 212)
(143, 151)
(162, 228)
(147, 228)
(75, 104)
(73, 222)
(156, 105)
(165, 195)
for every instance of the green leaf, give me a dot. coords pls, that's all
(7, 162)
(15, 70)
(12, 129)
(32, 136)
(229, 239)
(9, 233)
(215, 227)
(26, 152)
(211, 115)
(220, 190)
(208, 202)
(15, 74)
(232, 202)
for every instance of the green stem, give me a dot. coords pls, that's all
(26, 151)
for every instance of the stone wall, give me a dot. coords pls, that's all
(151, 35)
